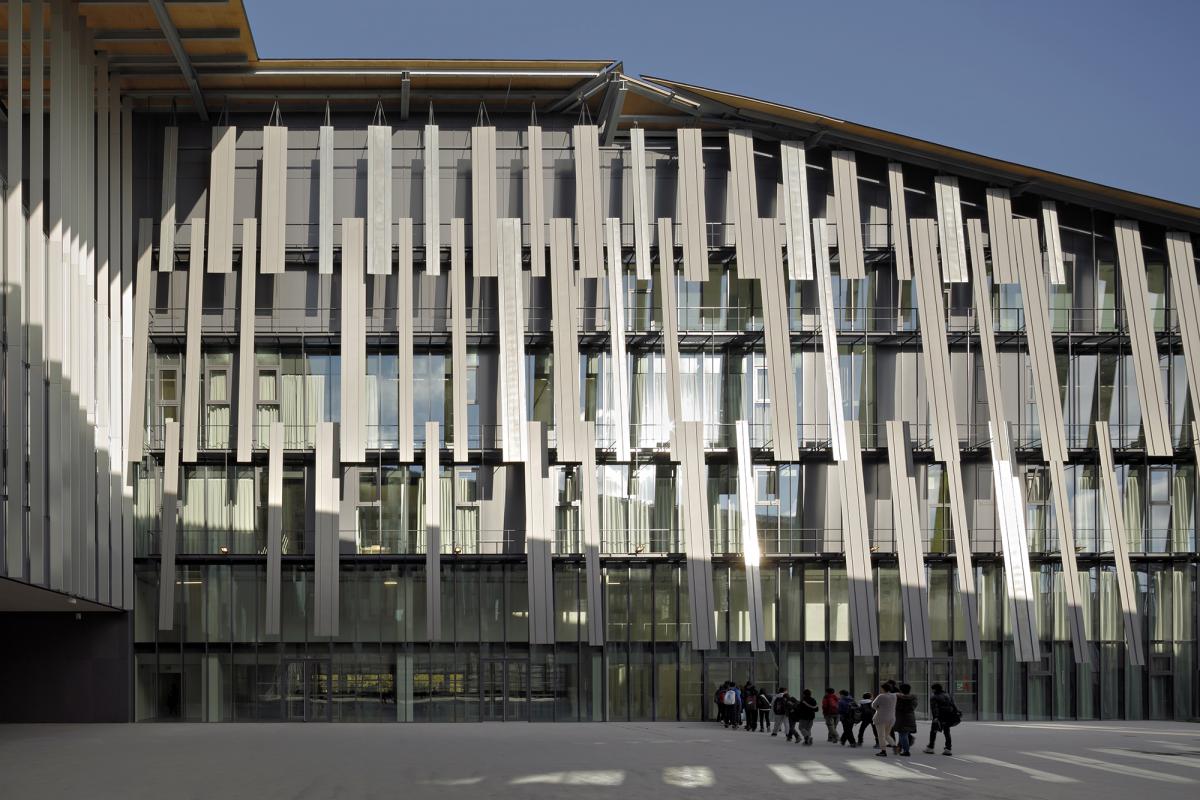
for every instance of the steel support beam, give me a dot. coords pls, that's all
(185, 64)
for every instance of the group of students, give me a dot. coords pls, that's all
(891, 715)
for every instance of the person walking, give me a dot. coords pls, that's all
(806, 714)
(848, 713)
(764, 710)
(885, 717)
(944, 715)
(729, 705)
(719, 699)
(779, 705)
(906, 718)
(829, 709)
(866, 716)
(750, 703)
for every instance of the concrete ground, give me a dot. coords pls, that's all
(1056, 761)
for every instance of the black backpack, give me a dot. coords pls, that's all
(949, 715)
(780, 705)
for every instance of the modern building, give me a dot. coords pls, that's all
(522, 390)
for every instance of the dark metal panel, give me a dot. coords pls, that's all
(166, 575)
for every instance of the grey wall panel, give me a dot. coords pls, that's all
(1135, 293)
(166, 220)
(170, 493)
(136, 411)
(907, 523)
(692, 214)
(743, 193)
(797, 219)
(943, 414)
(325, 201)
(590, 524)
(849, 219)
(433, 532)
(898, 218)
(512, 341)
(588, 208)
(274, 199)
(670, 317)
(1126, 586)
(193, 364)
(246, 360)
(829, 342)
(1185, 295)
(535, 197)
(950, 229)
(1053, 239)
(565, 299)
(484, 239)
(540, 491)
(379, 200)
(776, 322)
(1040, 340)
(274, 529)
(458, 336)
(404, 324)
(856, 542)
(1000, 236)
(353, 341)
(431, 186)
(220, 199)
(693, 489)
(616, 326)
(641, 204)
(747, 494)
(1010, 511)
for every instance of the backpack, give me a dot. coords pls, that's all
(780, 705)
(856, 713)
(730, 698)
(751, 700)
(950, 715)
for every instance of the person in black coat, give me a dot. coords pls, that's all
(943, 713)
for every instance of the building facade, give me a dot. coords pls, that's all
(458, 391)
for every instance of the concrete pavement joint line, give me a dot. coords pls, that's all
(1036, 774)
(1179, 761)
(1084, 761)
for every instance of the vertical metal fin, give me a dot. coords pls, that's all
(747, 494)
(898, 217)
(849, 220)
(535, 193)
(458, 337)
(274, 199)
(483, 202)
(590, 514)
(246, 359)
(829, 345)
(1185, 294)
(274, 527)
(950, 227)
(691, 205)
(353, 345)
(856, 542)
(564, 301)
(220, 199)
(641, 204)
(1001, 236)
(539, 523)
(693, 488)
(1054, 253)
(744, 196)
(166, 574)
(404, 325)
(914, 588)
(135, 426)
(512, 341)
(433, 201)
(588, 210)
(619, 362)
(670, 318)
(796, 217)
(1135, 293)
(166, 221)
(1126, 587)
(379, 200)
(193, 363)
(433, 531)
(780, 375)
(325, 202)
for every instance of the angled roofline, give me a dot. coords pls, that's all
(886, 143)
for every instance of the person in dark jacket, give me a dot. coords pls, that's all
(779, 704)
(764, 710)
(906, 718)
(866, 716)
(806, 712)
(750, 704)
(847, 713)
(943, 715)
(829, 709)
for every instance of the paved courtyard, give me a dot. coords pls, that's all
(1061, 761)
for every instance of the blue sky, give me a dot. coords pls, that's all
(1101, 90)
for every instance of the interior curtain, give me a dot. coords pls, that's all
(314, 406)
(192, 509)
(1183, 510)
(612, 492)
(294, 418)
(1133, 510)
(242, 516)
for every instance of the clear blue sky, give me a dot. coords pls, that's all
(1102, 90)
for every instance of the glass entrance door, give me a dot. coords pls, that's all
(306, 687)
(718, 671)
(924, 674)
(503, 685)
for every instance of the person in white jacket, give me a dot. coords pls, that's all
(885, 716)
